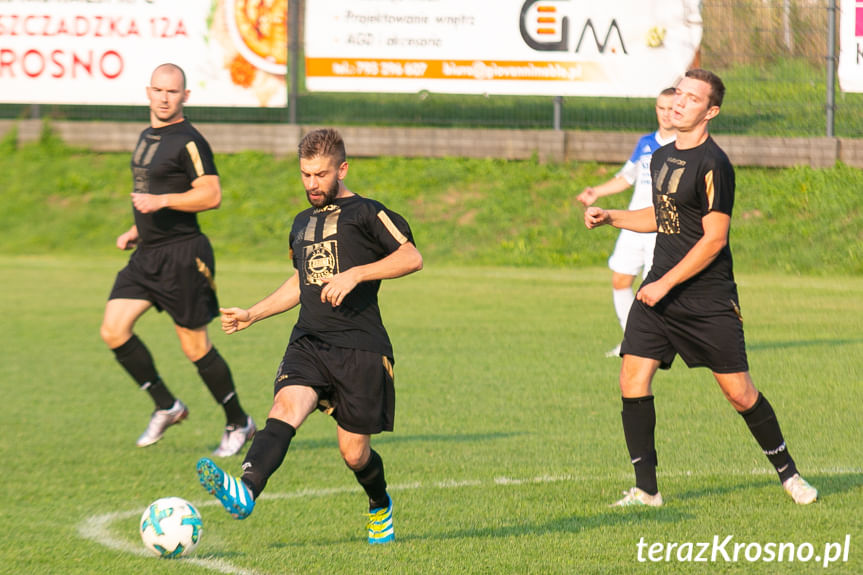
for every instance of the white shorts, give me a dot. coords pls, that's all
(633, 253)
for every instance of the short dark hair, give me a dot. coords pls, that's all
(717, 88)
(668, 92)
(323, 142)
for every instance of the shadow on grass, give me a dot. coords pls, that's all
(646, 517)
(802, 343)
(835, 483)
(714, 491)
(402, 438)
(827, 484)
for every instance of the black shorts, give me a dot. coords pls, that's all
(704, 331)
(177, 277)
(354, 386)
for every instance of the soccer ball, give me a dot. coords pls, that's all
(171, 527)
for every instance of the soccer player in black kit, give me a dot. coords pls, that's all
(339, 358)
(687, 304)
(173, 267)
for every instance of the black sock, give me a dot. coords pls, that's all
(137, 361)
(371, 477)
(639, 423)
(764, 426)
(266, 454)
(217, 376)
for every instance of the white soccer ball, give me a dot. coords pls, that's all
(171, 527)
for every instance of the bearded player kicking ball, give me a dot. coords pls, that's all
(687, 304)
(339, 359)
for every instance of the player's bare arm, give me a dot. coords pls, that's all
(704, 251)
(286, 297)
(128, 239)
(613, 186)
(405, 260)
(205, 194)
(642, 220)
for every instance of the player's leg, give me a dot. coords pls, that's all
(638, 416)
(623, 296)
(625, 262)
(130, 352)
(187, 291)
(216, 375)
(364, 398)
(368, 468)
(761, 420)
(291, 406)
(367, 465)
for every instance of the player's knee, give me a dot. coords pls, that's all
(112, 337)
(742, 399)
(195, 349)
(355, 458)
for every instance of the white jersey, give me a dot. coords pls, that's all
(636, 170)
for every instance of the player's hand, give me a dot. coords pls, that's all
(147, 203)
(652, 293)
(595, 217)
(234, 319)
(338, 287)
(127, 241)
(587, 197)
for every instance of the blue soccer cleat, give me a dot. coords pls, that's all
(380, 524)
(230, 491)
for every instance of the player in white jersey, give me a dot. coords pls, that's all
(633, 252)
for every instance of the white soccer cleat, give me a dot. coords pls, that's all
(235, 438)
(161, 420)
(638, 497)
(800, 490)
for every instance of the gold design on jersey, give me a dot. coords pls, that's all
(142, 158)
(391, 227)
(140, 180)
(331, 224)
(327, 208)
(667, 185)
(660, 177)
(674, 181)
(205, 271)
(709, 189)
(320, 262)
(667, 218)
(309, 232)
(196, 158)
(138, 156)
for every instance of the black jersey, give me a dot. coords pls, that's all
(166, 161)
(687, 185)
(325, 241)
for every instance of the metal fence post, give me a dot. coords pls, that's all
(293, 58)
(831, 66)
(558, 112)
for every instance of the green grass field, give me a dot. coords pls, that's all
(507, 449)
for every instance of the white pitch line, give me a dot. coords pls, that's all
(96, 528)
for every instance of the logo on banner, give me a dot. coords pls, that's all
(544, 27)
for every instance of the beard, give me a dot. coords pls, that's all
(327, 197)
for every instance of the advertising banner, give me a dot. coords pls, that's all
(850, 69)
(234, 52)
(631, 48)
